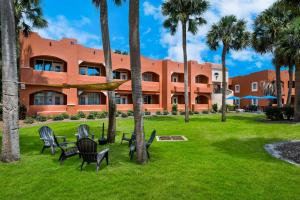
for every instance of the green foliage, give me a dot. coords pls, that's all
(230, 107)
(124, 115)
(91, 116)
(288, 112)
(158, 113)
(205, 112)
(147, 113)
(174, 113)
(22, 112)
(196, 112)
(165, 112)
(130, 113)
(41, 118)
(174, 108)
(65, 115)
(215, 107)
(29, 120)
(74, 117)
(274, 113)
(81, 114)
(182, 113)
(58, 118)
(191, 112)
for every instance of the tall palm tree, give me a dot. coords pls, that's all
(291, 69)
(136, 76)
(102, 4)
(267, 27)
(232, 34)
(189, 14)
(10, 139)
(289, 46)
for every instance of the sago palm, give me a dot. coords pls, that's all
(102, 4)
(267, 28)
(188, 14)
(231, 34)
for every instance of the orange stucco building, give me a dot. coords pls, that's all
(45, 61)
(261, 83)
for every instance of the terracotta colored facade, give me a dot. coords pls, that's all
(246, 85)
(46, 61)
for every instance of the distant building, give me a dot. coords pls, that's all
(45, 61)
(261, 84)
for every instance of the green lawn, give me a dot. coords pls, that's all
(220, 161)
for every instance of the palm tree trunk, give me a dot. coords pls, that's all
(109, 74)
(186, 74)
(297, 94)
(224, 84)
(10, 139)
(136, 75)
(278, 87)
(291, 74)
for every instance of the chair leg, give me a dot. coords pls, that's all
(131, 153)
(106, 156)
(81, 165)
(44, 147)
(148, 154)
(98, 165)
(52, 150)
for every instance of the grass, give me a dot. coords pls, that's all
(220, 161)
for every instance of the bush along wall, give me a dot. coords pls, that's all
(277, 114)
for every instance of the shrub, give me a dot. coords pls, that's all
(147, 113)
(274, 113)
(104, 114)
(124, 115)
(174, 112)
(196, 113)
(205, 112)
(58, 118)
(252, 108)
(91, 116)
(22, 112)
(165, 112)
(191, 112)
(230, 107)
(65, 115)
(130, 113)
(74, 117)
(81, 114)
(288, 112)
(182, 113)
(158, 113)
(40, 118)
(29, 120)
(215, 107)
(174, 108)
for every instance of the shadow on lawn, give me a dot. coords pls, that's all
(248, 148)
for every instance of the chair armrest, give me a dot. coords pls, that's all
(93, 136)
(101, 154)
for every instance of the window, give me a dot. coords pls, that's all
(147, 77)
(124, 76)
(174, 78)
(237, 88)
(201, 79)
(116, 75)
(48, 65)
(120, 75)
(147, 99)
(89, 70)
(254, 87)
(121, 99)
(48, 98)
(90, 99)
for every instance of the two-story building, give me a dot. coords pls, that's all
(45, 62)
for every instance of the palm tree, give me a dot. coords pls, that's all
(189, 14)
(10, 138)
(232, 34)
(102, 4)
(267, 27)
(291, 79)
(289, 46)
(135, 63)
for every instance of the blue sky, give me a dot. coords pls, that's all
(80, 19)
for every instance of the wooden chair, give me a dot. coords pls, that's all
(88, 152)
(83, 131)
(68, 149)
(47, 136)
(129, 140)
(148, 144)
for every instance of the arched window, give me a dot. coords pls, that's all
(48, 63)
(91, 69)
(121, 74)
(151, 77)
(48, 98)
(92, 98)
(201, 99)
(202, 79)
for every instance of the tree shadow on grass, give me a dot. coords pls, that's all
(247, 148)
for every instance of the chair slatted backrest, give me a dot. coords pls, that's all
(87, 149)
(46, 134)
(151, 139)
(83, 131)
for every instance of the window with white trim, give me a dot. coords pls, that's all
(254, 87)
(237, 88)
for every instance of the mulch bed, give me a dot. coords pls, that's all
(290, 151)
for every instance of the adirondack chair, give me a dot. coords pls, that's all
(68, 149)
(88, 152)
(129, 140)
(47, 136)
(83, 131)
(148, 144)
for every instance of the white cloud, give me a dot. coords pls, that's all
(147, 31)
(59, 27)
(246, 9)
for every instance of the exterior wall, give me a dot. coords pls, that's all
(74, 54)
(259, 77)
